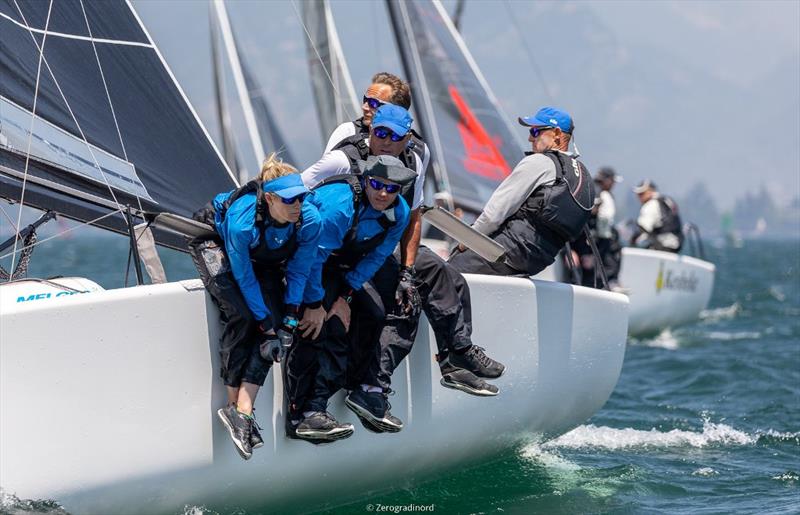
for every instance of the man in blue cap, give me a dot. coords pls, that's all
(544, 203)
(443, 292)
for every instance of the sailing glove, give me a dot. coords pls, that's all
(406, 294)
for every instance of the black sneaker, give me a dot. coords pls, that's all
(239, 426)
(372, 409)
(476, 361)
(466, 381)
(321, 425)
(255, 436)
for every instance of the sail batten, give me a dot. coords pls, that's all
(109, 111)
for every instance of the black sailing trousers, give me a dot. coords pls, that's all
(445, 300)
(317, 368)
(239, 343)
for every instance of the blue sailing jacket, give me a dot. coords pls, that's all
(335, 205)
(240, 234)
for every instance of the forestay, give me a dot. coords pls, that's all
(111, 126)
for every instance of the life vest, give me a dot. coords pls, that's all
(352, 250)
(356, 149)
(670, 219)
(564, 207)
(558, 212)
(261, 255)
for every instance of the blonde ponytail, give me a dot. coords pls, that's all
(274, 167)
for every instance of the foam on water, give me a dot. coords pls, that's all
(729, 336)
(11, 504)
(723, 313)
(609, 438)
(705, 472)
(664, 340)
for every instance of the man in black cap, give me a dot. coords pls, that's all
(659, 224)
(363, 218)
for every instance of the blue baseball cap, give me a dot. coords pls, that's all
(288, 186)
(393, 117)
(549, 117)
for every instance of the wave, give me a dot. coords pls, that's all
(737, 335)
(11, 504)
(609, 438)
(723, 313)
(664, 340)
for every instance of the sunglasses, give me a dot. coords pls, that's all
(383, 132)
(373, 103)
(535, 131)
(378, 185)
(292, 200)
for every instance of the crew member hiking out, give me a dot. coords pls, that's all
(255, 268)
(544, 202)
(415, 276)
(363, 218)
(659, 224)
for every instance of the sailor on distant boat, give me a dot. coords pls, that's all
(601, 228)
(363, 219)
(544, 203)
(659, 224)
(416, 277)
(266, 236)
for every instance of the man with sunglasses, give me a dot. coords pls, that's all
(363, 219)
(443, 295)
(544, 203)
(385, 88)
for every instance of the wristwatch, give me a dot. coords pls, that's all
(347, 295)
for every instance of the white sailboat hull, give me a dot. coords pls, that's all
(108, 398)
(665, 289)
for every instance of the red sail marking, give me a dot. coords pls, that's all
(482, 155)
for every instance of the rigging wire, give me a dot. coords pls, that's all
(33, 120)
(531, 59)
(105, 85)
(82, 224)
(319, 57)
(10, 220)
(69, 109)
(110, 103)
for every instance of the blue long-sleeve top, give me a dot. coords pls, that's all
(335, 205)
(240, 234)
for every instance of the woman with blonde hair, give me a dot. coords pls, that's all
(255, 268)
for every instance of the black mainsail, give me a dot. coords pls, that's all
(473, 147)
(92, 120)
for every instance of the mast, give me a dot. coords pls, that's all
(239, 81)
(409, 56)
(220, 99)
(334, 94)
(472, 141)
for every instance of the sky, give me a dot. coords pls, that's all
(676, 91)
